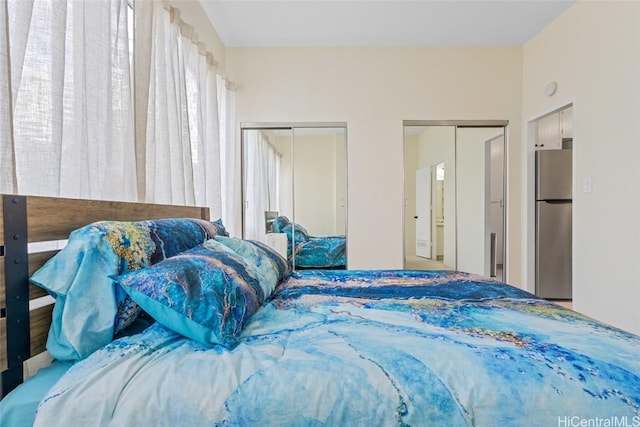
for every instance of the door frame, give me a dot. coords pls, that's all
(469, 124)
(528, 231)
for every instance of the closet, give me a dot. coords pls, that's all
(295, 174)
(454, 204)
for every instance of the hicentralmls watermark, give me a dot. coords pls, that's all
(575, 421)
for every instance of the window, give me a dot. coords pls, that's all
(67, 105)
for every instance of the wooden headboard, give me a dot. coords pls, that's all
(30, 219)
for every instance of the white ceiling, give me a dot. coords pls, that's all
(300, 23)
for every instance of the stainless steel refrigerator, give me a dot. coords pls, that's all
(553, 223)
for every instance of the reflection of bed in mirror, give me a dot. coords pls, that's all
(311, 251)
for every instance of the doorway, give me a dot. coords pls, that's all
(455, 196)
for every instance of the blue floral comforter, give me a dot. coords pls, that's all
(375, 348)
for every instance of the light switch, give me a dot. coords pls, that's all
(586, 184)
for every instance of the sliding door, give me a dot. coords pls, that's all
(466, 203)
(294, 191)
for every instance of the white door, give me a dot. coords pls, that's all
(423, 212)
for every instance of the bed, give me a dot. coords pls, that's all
(308, 251)
(339, 347)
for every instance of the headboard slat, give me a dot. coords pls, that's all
(51, 218)
(40, 321)
(36, 261)
(36, 292)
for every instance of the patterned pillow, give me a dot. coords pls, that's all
(89, 309)
(279, 223)
(220, 228)
(207, 293)
(297, 232)
(169, 237)
(271, 267)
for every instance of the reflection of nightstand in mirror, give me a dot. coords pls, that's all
(269, 217)
(278, 241)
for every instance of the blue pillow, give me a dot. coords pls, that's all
(220, 229)
(89, 309)
(207, 293)
(271, 267)
(296, 231)
(279, 223)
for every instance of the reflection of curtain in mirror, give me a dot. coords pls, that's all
(262, 183)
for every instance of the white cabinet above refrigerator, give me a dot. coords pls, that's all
(548, 136)
(552, 129)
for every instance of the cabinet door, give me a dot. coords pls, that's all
(548, 135)
(567, 123)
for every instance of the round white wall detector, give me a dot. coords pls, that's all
(551, 88)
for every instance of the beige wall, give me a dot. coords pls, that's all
(314, 183)
(593, 52)
(374, 90)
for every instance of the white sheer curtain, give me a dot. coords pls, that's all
(66, 117)
(204, 126)
(176, 112)
(70, 124)
(262, 177)
(229, 153)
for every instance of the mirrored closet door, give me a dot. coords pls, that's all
(294, 191)
(454, 213)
